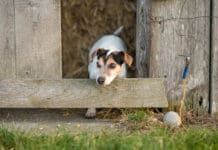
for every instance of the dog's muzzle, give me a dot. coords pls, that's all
(101, 80)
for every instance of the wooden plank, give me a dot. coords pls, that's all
(81, 93)
(214, 61)
(181, 28)
(143, 37)
(7, 39)
(38, 39)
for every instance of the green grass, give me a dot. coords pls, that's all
(136, 116)
(158, 138)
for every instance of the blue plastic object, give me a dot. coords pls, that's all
(185, 72)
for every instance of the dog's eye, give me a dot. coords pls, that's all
(112, 66)
(98, 65)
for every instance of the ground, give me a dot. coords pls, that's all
(114, 129)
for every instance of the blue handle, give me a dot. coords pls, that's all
(185, 72)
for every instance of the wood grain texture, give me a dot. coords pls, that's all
(143, 37)
(7, 39)
(214, 63)
(81, 93)
(181, 27)
(38, 39)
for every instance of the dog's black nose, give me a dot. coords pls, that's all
(101, 80)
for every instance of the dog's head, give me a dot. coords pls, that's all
(109, 65)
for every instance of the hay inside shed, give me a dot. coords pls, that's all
(83, 22)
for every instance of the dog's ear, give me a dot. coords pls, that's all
(127, 58)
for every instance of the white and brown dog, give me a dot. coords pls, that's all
(107, 60)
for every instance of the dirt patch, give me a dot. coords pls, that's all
(52, 121)
(83, 22)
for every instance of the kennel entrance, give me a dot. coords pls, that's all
(83, 22)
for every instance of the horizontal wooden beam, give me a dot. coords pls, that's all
(81, 93)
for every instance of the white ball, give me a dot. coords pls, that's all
(172, 119)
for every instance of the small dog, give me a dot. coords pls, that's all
(107, 60)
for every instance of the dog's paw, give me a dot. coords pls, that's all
(91, 113)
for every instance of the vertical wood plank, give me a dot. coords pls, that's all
(214, 61)
(181, 28)
(143, 37)
(38, 39)
(7, 39)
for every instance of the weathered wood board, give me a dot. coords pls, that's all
(7, 39)
(143, 37)
(81, 93)
(214, 63)
(181, 27)
(38, 39)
